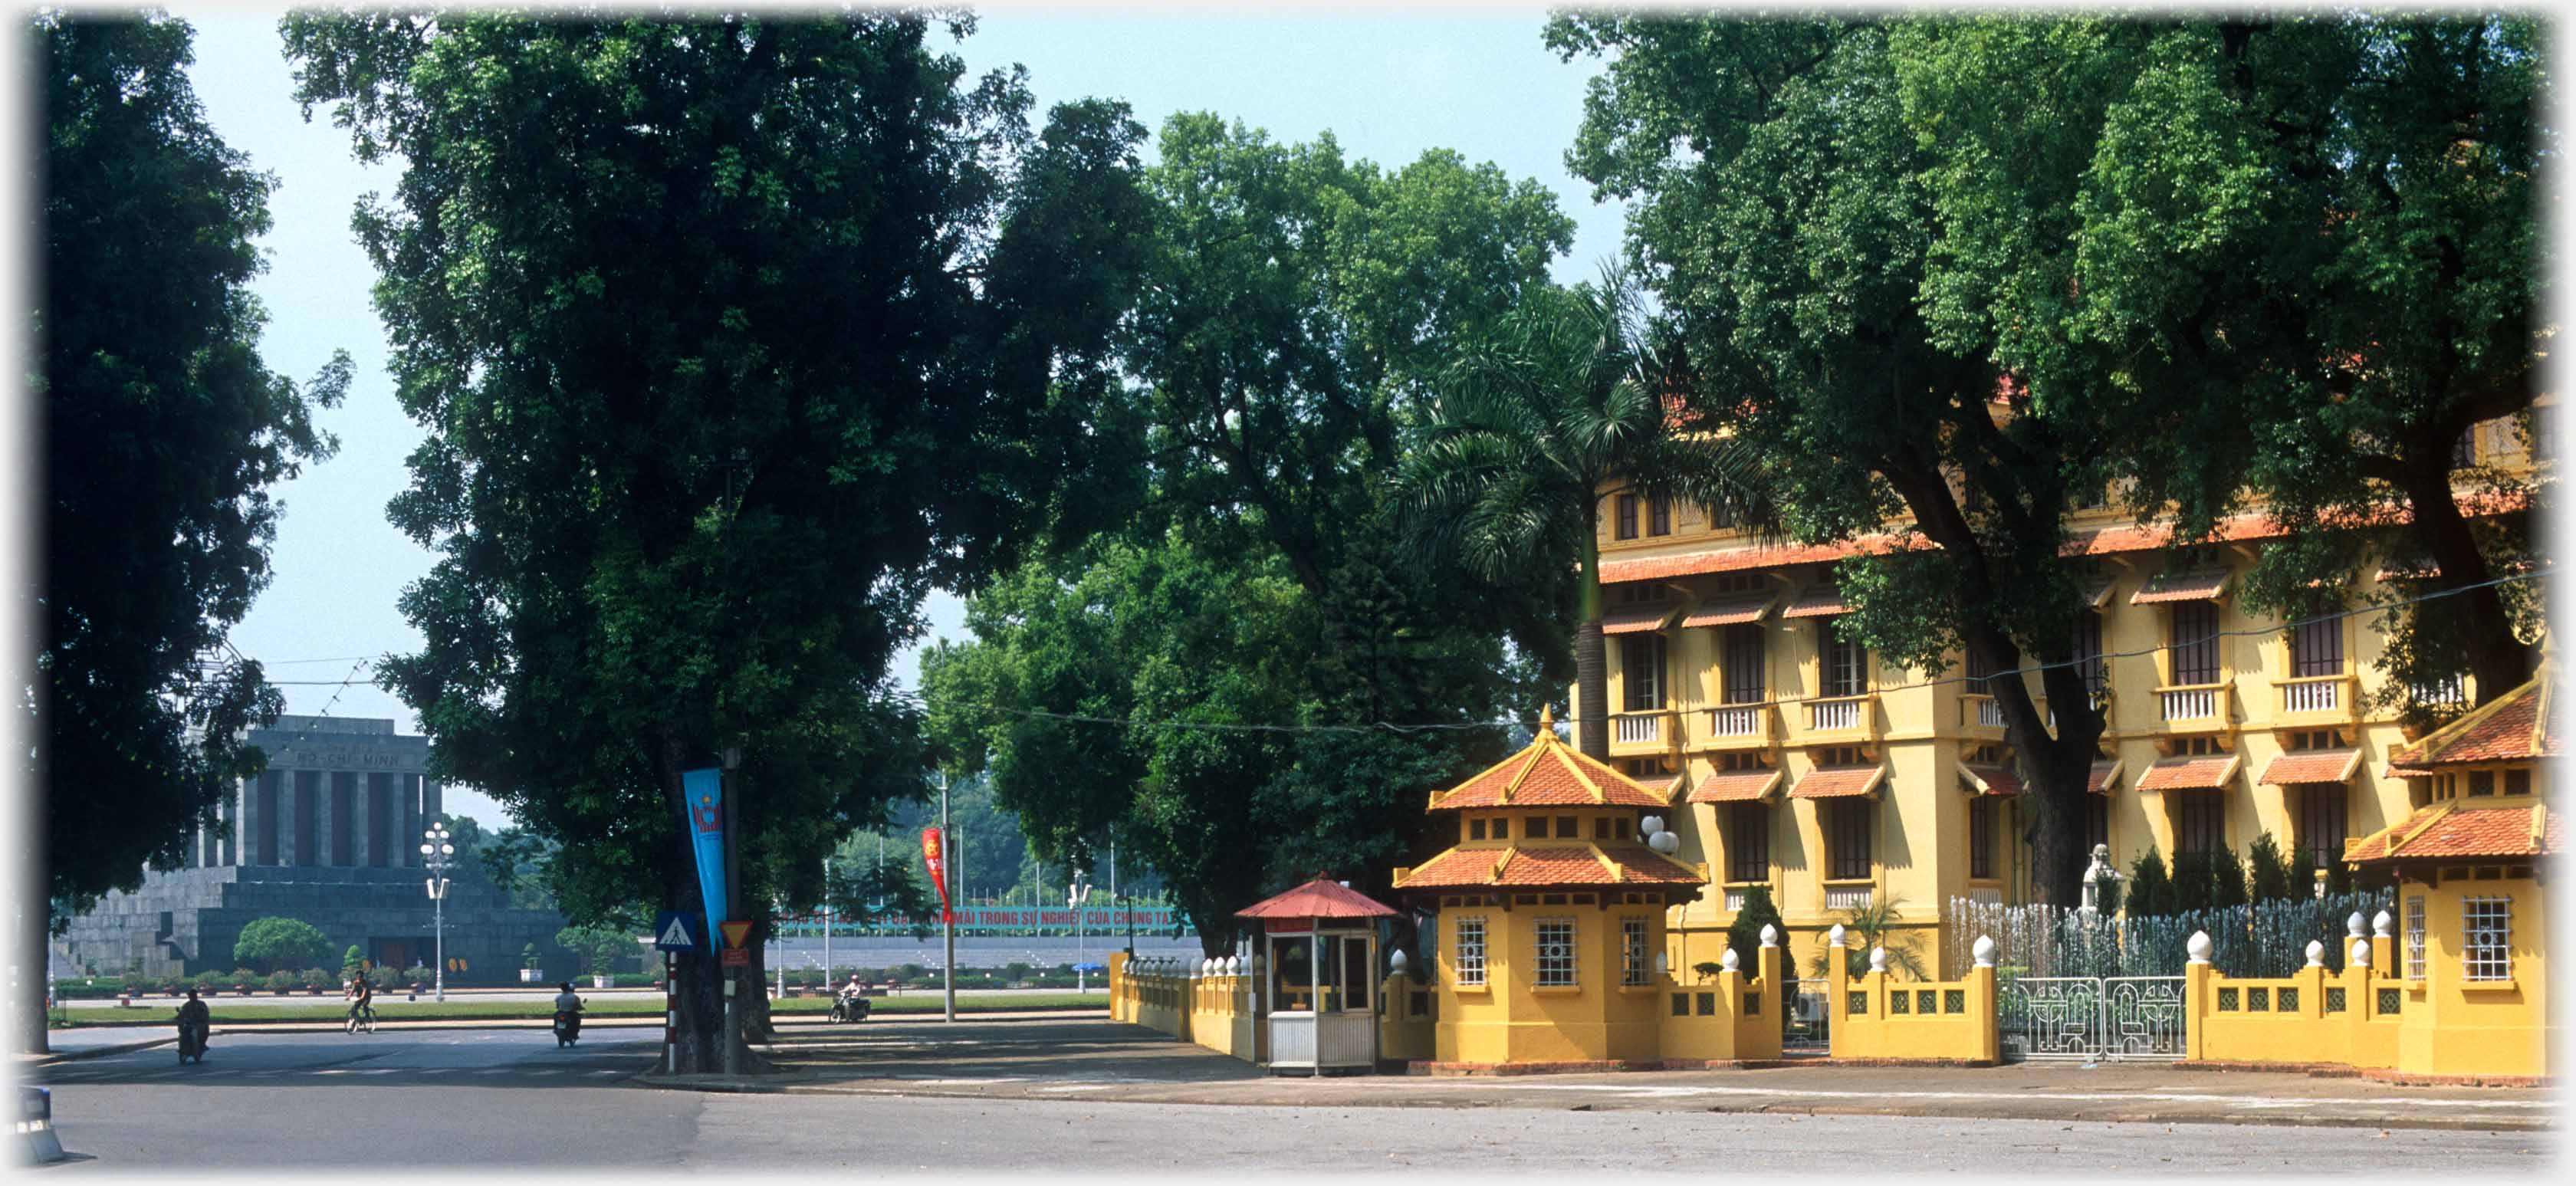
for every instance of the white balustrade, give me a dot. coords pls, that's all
(1990, 715)
(2320, 696)
(1735, 721)
(2191, 704)
(1735, 899)
(2449, 691)
(1848, 897)
(1828, 715)
(1638, 728)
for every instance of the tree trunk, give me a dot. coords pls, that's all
(2499, 660)
(698, 976)
(1591, 665)
(35, 927)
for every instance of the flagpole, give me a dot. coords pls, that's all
(947, 914)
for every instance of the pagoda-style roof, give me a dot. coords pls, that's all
(2452, 831)
(2513, 727)
(1320, 898)
(1549, 775)
(1553, 865)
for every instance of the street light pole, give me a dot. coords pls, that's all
(439, 854)
(827, 920)
(947, 915)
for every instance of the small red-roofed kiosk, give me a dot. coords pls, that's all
(1319, 949)
(1551, 908)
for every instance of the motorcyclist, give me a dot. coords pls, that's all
(850, 1003)
(194, 1021)
(568, 1009)
(362, 996)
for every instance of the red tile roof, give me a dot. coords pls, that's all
(2100, 541)
(1818, 603)
(2181, 586)
(1582, 865)
(2311, 766)
(1320, 898)
(2189, 774)
(2104, 775)
(1735, 612)
(1836, 782)
(1664, 786)
(1548, 774)
(1635, 619)
(2508, 728)
(1990, 780)
(1735, 786)
(2449, 831)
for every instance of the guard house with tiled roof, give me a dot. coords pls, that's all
(2470, 866)
(1551, 905)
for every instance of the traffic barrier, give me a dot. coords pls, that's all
(36, 1125)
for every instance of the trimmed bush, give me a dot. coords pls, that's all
(281, 943)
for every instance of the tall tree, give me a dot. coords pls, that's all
(1814, 249)
(2319, 238)
(1533, 423)
(1268, 680)
(732, 336)
(162, 432)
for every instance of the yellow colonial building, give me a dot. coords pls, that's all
(1800, 763)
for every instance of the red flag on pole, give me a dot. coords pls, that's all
(933, 855)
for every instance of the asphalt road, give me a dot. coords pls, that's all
(510, 1099)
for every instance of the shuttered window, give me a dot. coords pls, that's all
(1748, 842)
(2316, 648)
(1845, 661)
(1847, 838)
(1743, 655)
(1641, 672)
(2192, 647)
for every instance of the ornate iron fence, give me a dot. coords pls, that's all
(2090, 1017)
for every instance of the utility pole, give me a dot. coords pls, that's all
(827, 920)
(947, 915)
(733, 896)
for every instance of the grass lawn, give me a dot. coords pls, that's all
(603, 1006)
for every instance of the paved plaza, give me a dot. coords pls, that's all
(1092, 1095)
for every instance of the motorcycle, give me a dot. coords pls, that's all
(567, 1028)
(192, 1042)
(849, 1008)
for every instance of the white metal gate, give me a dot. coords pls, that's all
(2091, 1017)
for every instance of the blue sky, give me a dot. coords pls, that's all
(1387, 87)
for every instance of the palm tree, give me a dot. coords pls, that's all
(1565, 396)
(1865, 927)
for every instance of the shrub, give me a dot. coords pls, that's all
(2226, 878)
(1871, 926)
(2267, 870)
(281, 943)
(352, 960)
(209, 981)
(1744, 935)
(281, 981)
(317, 978)
(2150, 890)
(599, 947)
(1017, 971)
(243, 978)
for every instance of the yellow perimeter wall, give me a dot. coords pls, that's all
(2376, 1015)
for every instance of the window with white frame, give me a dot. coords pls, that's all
(2415, 937)
(1555, 961)
(2486, 950)
(1632, 951)
(1470, 960)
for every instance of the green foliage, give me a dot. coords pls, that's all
(599, 947)
(278, 943)
(1533, 421)
(281, 980)
(2227, 879)
(866, 892)
(2150, 888)
(315, 978)
(162, 432)
(1874, 926)
(731, 337)
(1265, 579)
(528, 956)
(352, 960)
(2269, 873)
(1744, 935)
(2303, 873)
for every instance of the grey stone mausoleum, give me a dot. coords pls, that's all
(330, 834)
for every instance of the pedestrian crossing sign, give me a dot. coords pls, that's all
(671, 932)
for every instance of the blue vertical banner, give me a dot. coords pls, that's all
(704, 790)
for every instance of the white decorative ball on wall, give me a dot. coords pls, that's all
(1729, 961)
(2361, 953)
(2381, 924)
(2353, 925)
(1984, 951)
(1834, 937)
(2198, 947)
(2316, 953)
(1878, 959)
(1395, 961)
(1770, 935)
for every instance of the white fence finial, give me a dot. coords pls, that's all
(1729, 960)
(2352, 925)
(2381, 924)
(2198, 947)
(1770, 935)
(1834, 937)
(1878, 959)
(2361, 953)
(1984, 951)
(2316, 953)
